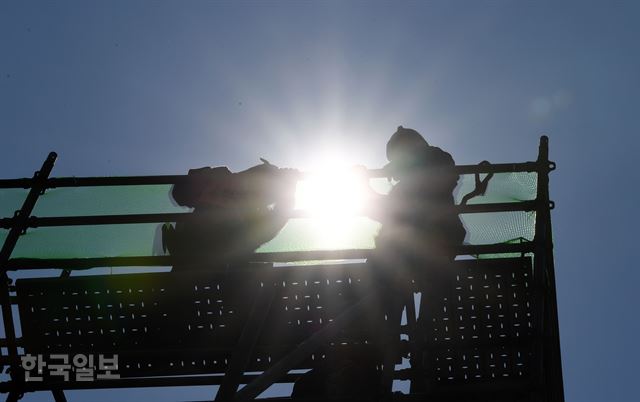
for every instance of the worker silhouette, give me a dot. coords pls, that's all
(420, 230)
(417, 216)
(233, 214)
(417, 239)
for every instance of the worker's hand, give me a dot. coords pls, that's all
(361, 174)
(360, 170)
(373, 201)
(290, 173)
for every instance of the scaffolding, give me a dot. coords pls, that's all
(491, 335)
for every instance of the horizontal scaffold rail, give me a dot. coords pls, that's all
(173, 179)
(282, 257)
(49, 221)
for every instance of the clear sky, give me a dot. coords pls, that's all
(130, 87)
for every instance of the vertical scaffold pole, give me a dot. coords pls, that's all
(20, 223)
(552, 364)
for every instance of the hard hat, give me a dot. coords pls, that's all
(404, 142)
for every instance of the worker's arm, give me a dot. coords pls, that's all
(375, 204)
(267, 221)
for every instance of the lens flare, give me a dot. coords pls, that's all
(331, 194)
(333, 198)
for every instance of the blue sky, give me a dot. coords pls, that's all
(130, 87)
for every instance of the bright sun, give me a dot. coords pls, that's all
(335, 193)
(332, 196)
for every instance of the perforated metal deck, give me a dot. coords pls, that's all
(194, 318)
(484, 327)
(481, 329)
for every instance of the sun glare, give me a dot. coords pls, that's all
(333, 197)
(331, 194)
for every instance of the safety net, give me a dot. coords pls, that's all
(310, 233)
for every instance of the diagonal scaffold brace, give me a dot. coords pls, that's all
(20, 224)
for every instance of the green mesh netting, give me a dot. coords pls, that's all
(11, 200)
(300, 234)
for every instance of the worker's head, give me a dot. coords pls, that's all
(405, 151)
